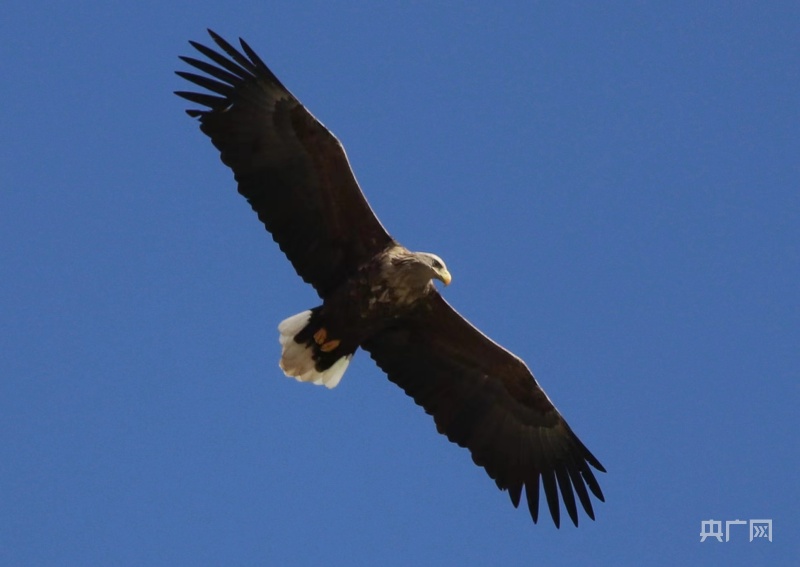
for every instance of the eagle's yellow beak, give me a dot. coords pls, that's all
(445, 276)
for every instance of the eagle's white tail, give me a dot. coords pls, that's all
(297, 360)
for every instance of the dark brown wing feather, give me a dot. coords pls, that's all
(291, 169)
(485, 399)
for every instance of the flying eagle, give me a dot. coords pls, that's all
(375, 293)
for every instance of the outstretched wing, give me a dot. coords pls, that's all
(484, 398)
(291, 169)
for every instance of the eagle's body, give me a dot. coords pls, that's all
(376, 294)
(387, 288)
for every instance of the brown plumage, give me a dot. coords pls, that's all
(376, 294)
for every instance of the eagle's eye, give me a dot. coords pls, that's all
(437, 264)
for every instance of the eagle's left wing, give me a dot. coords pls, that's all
(484, 398)
(292, 170)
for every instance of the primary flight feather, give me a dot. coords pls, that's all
(375, 293)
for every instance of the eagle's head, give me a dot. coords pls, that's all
(433, 267)
(416, 270)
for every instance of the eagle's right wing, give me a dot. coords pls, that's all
(484, 398)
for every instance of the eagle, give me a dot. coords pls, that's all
(376, 294)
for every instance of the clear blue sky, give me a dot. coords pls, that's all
(615, 189)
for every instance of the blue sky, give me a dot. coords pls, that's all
(614, 189)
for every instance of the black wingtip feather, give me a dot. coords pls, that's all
(592, 460)
(567, 496)
(225, 63)
(251, 54)
(532, 496)
(592, 483)
(204, 99)
(233, 53)
(515, 492)
(210, 69)
(587, 455)
(580, 489)
(259, 63)
(595, 463)
(206, 83)
(551, 495)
